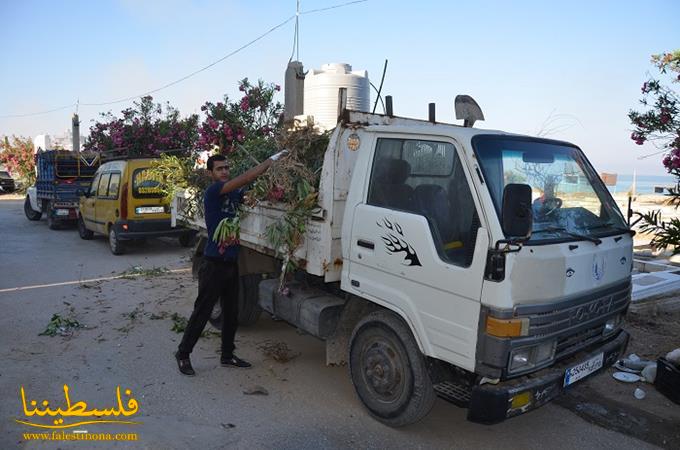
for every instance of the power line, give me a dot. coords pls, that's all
(38, 113)
(312, 11)
(202, 69)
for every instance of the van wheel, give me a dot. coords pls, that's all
(117, 247)
(31, 214)
(248, 309)
(388, 370)
(83, 232)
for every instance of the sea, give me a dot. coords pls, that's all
(644, 183)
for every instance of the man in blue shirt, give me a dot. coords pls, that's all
(218, 273)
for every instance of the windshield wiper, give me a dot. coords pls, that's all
(594, 240)
(611, 225)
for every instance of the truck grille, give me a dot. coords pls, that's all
(550, 319)
(572, 343)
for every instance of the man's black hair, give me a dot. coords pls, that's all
(213, 158)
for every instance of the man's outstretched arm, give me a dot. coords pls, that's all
(251, 174)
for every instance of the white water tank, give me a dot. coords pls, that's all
(42, 142)
(321, 92)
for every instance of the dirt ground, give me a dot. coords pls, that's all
(611, 403)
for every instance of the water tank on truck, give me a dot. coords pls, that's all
(321, 92)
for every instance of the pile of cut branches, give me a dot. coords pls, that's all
(293, 181)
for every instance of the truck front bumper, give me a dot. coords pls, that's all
(493, 403)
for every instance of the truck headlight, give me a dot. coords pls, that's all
(524, 358)
(611, 325)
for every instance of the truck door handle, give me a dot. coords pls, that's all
(366, 244)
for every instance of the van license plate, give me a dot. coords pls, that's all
(61, 212)
(149, 209)
(582, 370)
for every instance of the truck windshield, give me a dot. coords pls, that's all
(569, 201)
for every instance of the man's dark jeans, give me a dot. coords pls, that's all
(216, 279)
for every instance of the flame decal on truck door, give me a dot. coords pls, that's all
(393, 239)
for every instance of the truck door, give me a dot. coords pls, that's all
(87, 204)
(417, 244)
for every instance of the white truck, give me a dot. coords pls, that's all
(488, 268)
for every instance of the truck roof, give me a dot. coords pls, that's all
(410, 125)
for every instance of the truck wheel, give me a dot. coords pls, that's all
(388, 370)
(248, 309)
(31, 214)
(187, 239)
(117, 247)
(83, 232)
(52, 222)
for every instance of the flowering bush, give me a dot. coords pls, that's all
(19, 158)
(251, 123)
(144, 130)
(660, 124)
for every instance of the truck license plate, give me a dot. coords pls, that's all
(149, 209)
(582, 370)
(62, 212)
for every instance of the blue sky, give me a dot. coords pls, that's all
(580, 62)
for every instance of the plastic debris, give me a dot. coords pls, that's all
(639, 394)
(619, 365)
(634, 363)
(674, 357)
(649, 373)
(626, 377)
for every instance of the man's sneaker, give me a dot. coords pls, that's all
(234, 361)
(184, 365)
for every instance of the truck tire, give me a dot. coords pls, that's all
(115, 244)
(31, 214)
(83, 232)
(248, 309)
(388, 370)
(52, 222)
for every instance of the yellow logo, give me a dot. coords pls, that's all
(79, 409)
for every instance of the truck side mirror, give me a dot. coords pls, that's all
(517, 217)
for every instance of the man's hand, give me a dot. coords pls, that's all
(277, 156)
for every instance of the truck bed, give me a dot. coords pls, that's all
(320, 253)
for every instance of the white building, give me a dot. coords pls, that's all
(49, 142)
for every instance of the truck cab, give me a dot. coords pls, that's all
(424, 236)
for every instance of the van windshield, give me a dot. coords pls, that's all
(568, 198)
(145, 186)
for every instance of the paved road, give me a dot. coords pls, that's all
(128, 342)
(32, 253)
